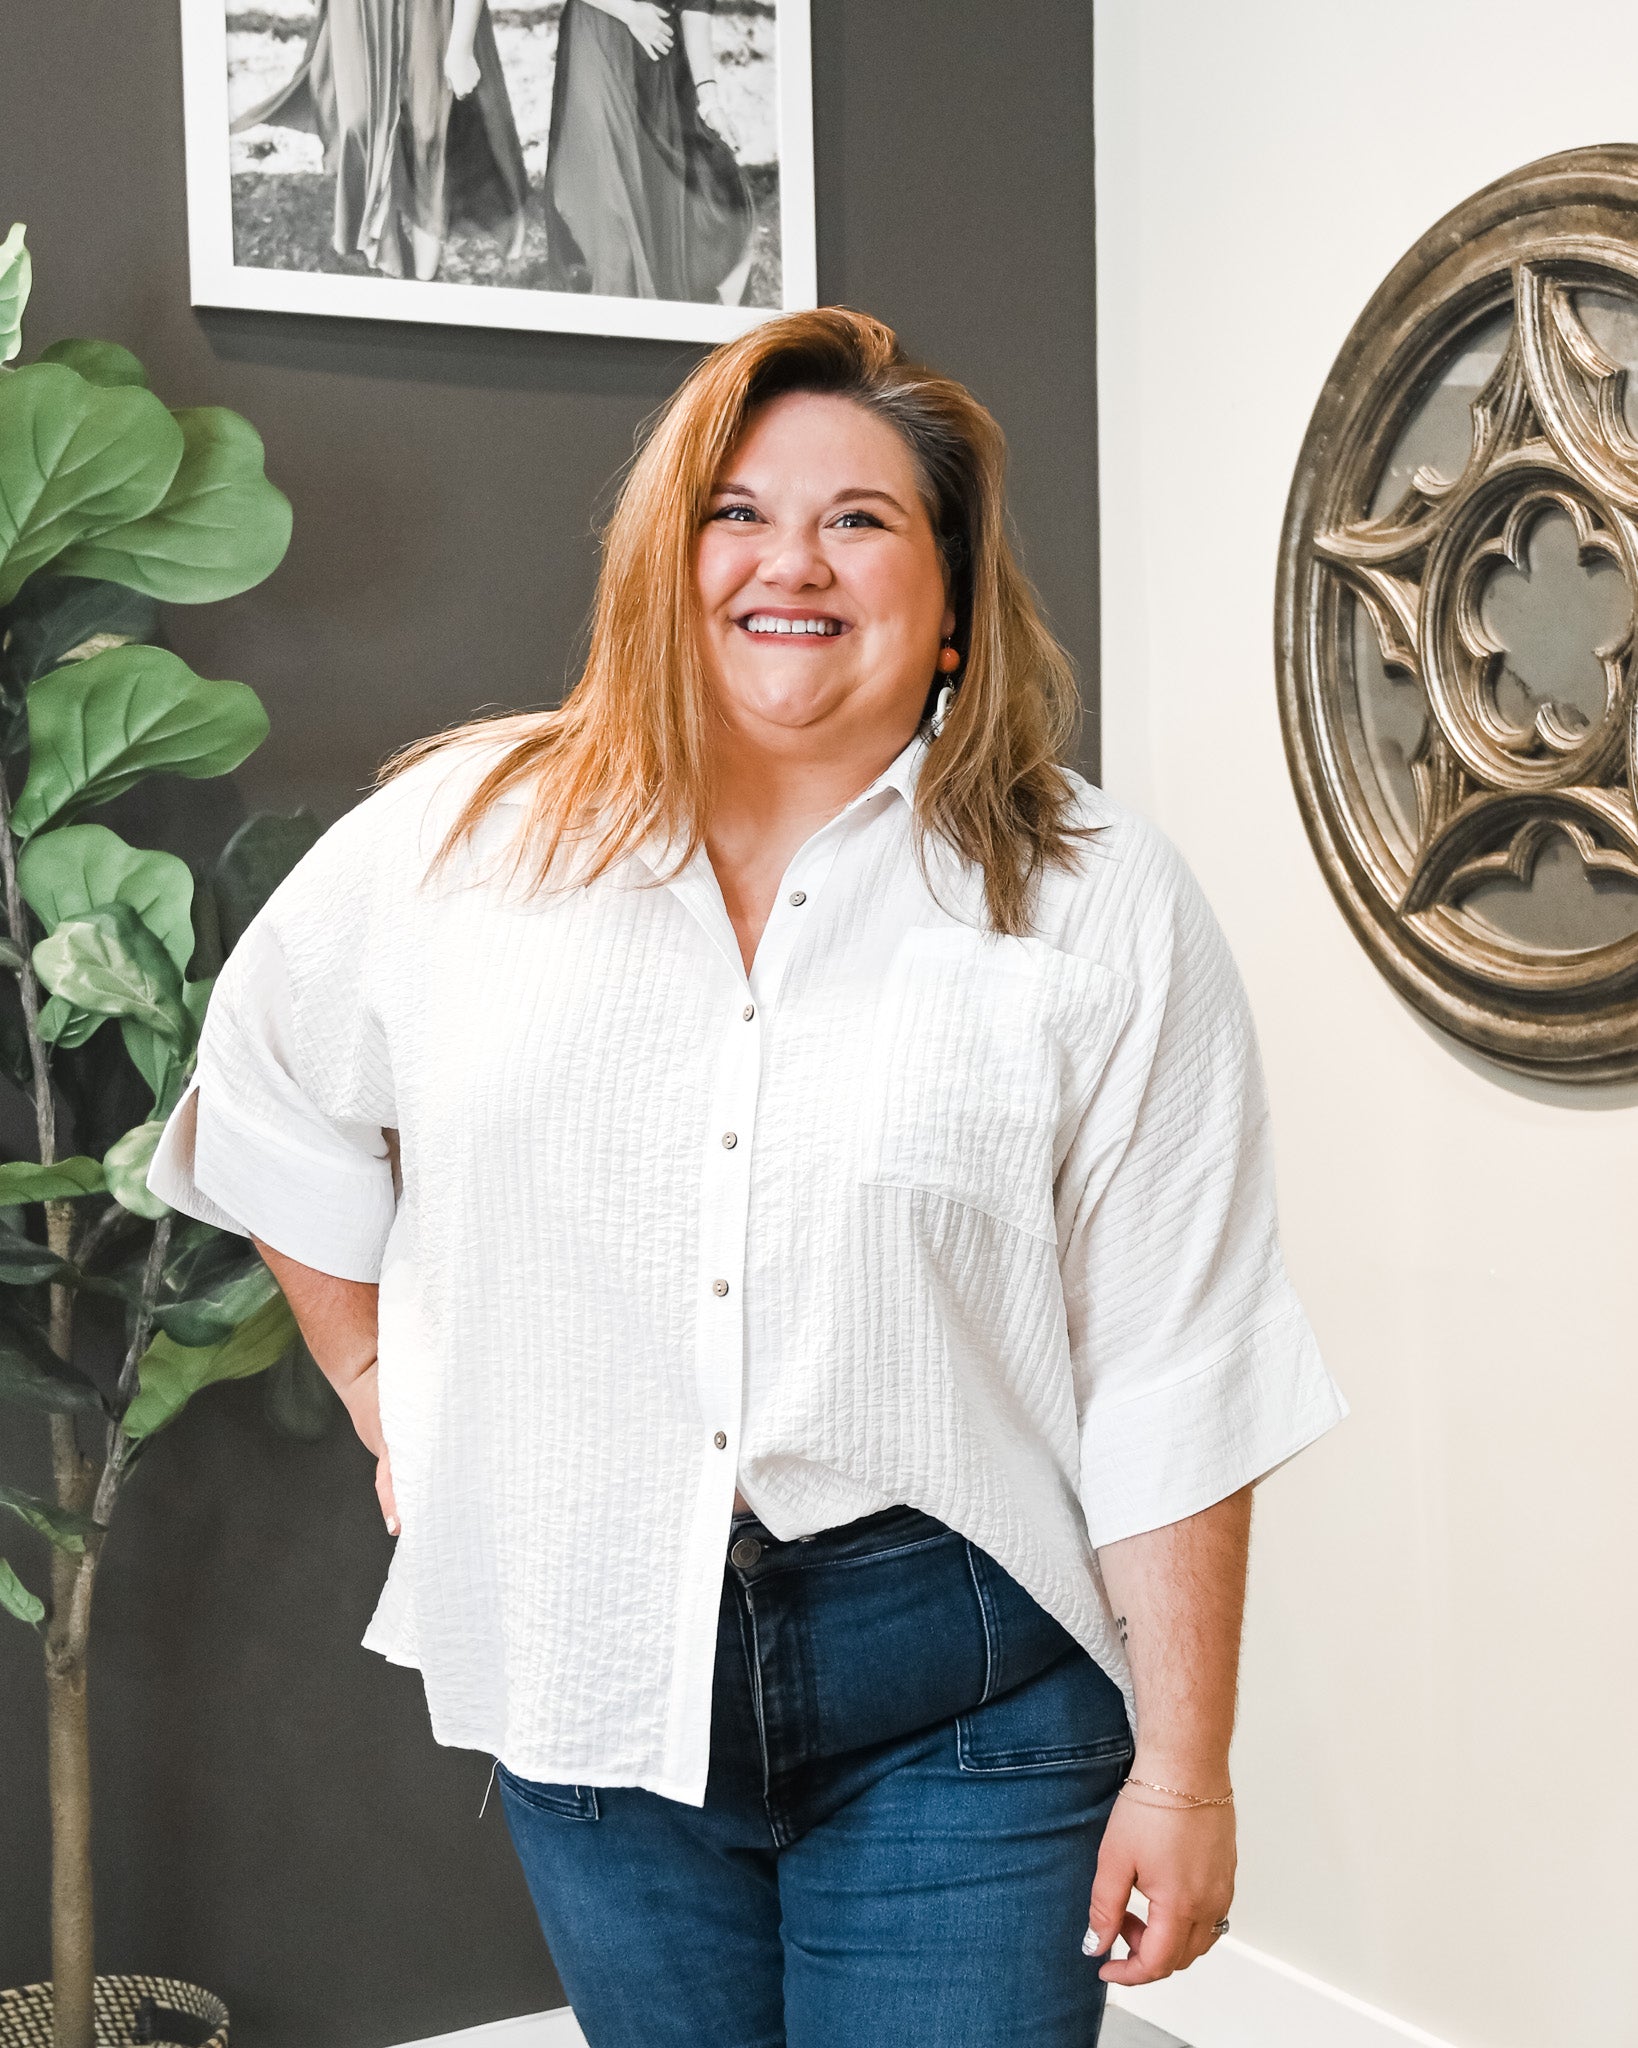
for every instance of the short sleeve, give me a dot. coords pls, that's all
(1196, 1371)
(281, 1132)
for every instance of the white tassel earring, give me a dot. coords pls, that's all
(949, 660)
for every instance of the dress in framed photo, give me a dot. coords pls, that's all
(595, 166)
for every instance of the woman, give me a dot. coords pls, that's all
(410, 101)
(830, 1135)
(645, 198)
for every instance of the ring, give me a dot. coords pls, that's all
(1220, 1927)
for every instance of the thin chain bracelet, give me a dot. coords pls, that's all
(1171, 1792)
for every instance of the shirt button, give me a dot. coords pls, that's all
(746, 1552)
(748, 1012)
(799, 897)
(719, 1286)
(720, 1440)
(729, 1140)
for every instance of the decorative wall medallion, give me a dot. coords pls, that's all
(1455, 620)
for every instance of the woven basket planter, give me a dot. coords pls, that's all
(130, 2010)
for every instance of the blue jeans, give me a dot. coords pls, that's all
(911, 1769)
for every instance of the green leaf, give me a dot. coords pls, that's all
(108, 961)
(253, 864)
(16, 1598)
(61, 1024)
(78, 868)
(297, 1399)
(10, 956)
(170, 1374)
(216, 1311)
(219, 529)
(159, 1061)
(23, 1263)
(65, 618)
(126, 1165)
(63, 1526)
(33, 1376)
(98, 362)
(200, 1254)
(162, 1063)
(196, 1000)
(98, 726)
(16, 275)
(22, 1181)
(75, 460)
(84, 867)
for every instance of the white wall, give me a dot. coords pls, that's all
(1437, 1759)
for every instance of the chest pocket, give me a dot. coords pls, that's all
(985, 1049)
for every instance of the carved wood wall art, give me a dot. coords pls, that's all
(1455, 623)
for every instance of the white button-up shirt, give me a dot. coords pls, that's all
(909, 1213)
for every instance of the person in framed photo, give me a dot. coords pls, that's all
(410, 101)
(645, 197)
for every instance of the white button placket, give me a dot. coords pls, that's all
(728, 1144)
(729, 1148)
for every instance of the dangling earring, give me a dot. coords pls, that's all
(949, 660)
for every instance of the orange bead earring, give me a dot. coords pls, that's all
(949, 660)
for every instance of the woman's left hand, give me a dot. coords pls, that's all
(461, 71)
(709, 98)
(1182, 1860)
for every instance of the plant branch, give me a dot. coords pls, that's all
(112, 1220)
(113, 1469)
(45, 1104)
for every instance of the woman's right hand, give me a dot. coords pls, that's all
(461, 72)
(361, 1397)
(651, 26)
(384, 1493)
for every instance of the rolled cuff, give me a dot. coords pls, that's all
(1160, 1456)
(322, 1199)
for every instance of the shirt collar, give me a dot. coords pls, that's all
(902, 773)
(657, 850)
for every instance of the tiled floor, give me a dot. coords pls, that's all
(1120, 2030)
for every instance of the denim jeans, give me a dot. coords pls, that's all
(911, 1769)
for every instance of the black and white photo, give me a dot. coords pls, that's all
(600, 166)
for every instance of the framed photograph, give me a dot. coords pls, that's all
(591, 166)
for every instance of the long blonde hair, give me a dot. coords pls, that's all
(630, 749)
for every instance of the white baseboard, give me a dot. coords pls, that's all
(556, 2029)
(1236, 1997)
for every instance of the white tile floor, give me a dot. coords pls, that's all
(1121, 2030)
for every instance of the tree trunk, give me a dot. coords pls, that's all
(73, 1963)
(68, 1728)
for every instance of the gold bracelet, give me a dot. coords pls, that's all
(1171, 1792)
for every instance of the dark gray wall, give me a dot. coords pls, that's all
(274, 1819)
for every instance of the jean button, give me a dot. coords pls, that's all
(745, 1552)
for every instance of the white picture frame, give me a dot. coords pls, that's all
(218, 279)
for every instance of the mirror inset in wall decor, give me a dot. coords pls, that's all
(1455, 622)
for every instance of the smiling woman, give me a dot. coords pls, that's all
(637, 748)
(853, 1189)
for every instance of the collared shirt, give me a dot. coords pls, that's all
(911, 1212)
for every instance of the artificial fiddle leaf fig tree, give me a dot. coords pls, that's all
(110, 504)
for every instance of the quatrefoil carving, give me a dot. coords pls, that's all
(1501, 772)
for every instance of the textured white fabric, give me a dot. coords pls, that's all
(996, 1229)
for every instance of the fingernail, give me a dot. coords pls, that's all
(392, 1525)
(1092, 1943)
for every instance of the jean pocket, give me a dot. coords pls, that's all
(573, 1802)
(1072, 1713)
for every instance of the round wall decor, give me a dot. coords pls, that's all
(1455, 620)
